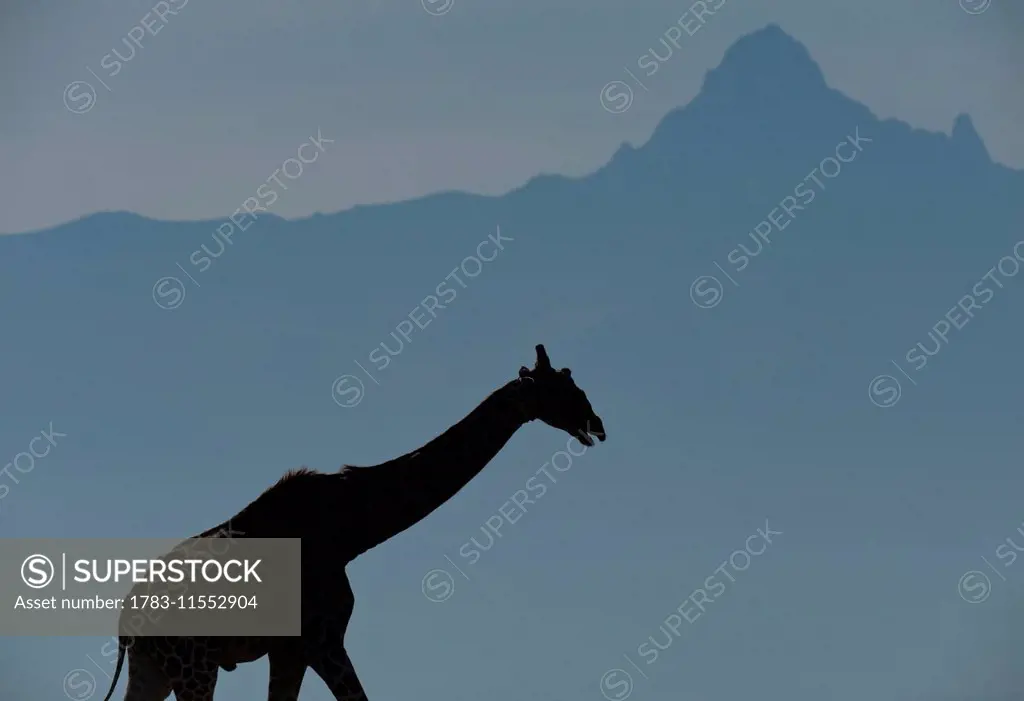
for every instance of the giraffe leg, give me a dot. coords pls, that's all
(146, 680)
(286, 672)
(332, 664)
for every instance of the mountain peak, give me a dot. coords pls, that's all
(764, 63)
(763, 91)
(967, 141)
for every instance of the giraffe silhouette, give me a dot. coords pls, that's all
(339, 516)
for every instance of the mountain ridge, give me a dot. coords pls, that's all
(758, 73)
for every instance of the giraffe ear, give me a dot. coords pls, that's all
(543, 363)
(524, 371)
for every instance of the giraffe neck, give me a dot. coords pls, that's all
(402, 492)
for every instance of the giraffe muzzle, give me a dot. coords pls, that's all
(594, 429)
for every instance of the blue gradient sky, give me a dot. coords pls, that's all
(478, 99)
(717, 423)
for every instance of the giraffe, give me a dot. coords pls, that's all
(339, 516)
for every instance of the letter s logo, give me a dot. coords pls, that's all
(616, 690)
(709, 289)
(79, 97)
(438, 585)
(79, 685)
(616, 97)
(169, 293)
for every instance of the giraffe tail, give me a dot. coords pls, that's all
(121, 647)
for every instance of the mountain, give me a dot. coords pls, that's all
(814, 308)
(901, 230)
(747, 289)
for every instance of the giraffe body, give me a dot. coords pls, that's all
(339, 516)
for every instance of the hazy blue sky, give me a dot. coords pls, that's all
(721, 421)
(480, 98)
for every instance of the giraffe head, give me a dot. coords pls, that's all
(557, 401)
